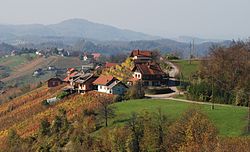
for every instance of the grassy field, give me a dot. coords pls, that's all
(186, 68)
(13, 61)
(229, 120)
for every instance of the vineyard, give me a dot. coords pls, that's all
(25, 113)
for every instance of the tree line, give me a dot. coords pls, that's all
(143, 131)
(223, 76)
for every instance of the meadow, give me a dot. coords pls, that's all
(229, 120)
(187, 69)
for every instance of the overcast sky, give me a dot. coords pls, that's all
(218, 19)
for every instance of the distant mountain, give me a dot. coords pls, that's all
(70, 28)
(197, 40)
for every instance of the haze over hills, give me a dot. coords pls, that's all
(71, 28)
(83, 35)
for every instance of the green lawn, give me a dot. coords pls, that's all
(230, 121)
(187, 69)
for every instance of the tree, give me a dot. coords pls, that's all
(135, 92)
(13, 141)
(44, 127)
(191, 133)
(105, 110)
(136, 128)
(229, 69)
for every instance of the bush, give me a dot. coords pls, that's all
(158, 90)
(45, 103)
(135, 92)
(62, 95)
(118, 98)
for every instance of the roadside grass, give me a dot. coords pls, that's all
(229, 120)
(187, 69)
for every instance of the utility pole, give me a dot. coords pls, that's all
(193, 48)
(190, 53)
(248, 126)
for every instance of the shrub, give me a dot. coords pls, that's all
(158, 90)
(62, 95)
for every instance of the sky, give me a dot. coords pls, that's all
(214, 19)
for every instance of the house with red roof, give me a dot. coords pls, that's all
(71, 72)
(96, 56)
(149, 73)
(110, 65)
(110, 85)
(141, 55)
(83, 82)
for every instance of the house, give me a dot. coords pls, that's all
(83, 82)
(13, 53)
(39, 53)
(70, 76)
(96, 56)
(54, 82)
(110, 65)
(88, 57)
(150, 74)
(142, 56)
(110, 85)
(38, 72)
(51, 68)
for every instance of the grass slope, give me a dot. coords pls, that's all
(186, 68)
(229, 120)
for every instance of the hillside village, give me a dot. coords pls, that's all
(145, 71)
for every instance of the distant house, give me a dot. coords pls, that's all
(40, 53)
(51, 68)
(88, 57)
(83, 82)
(150, 74)
(13, 53)
(70, 76)
(141, 56)
(110, 65)
(38, 72)
(96, 56)
(110, 85)
(54, 82)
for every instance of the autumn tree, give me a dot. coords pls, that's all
(44, 127)
(227, 70)
(192, 132)
(14, 141)
(136, 91)
(105, 109)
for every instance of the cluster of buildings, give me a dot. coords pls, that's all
(145, 70)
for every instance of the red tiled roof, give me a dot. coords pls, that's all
(71, 75)
(141, 53)
(104, 80)
(96, 55)
(149, 69)
(133, 79)
(109, 65)
(71, 69)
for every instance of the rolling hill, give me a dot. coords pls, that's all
(69, 28)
